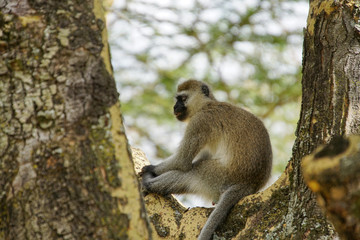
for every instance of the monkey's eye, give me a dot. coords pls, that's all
(181, 98)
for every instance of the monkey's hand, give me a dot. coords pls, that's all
(148, 170)
(147, 173)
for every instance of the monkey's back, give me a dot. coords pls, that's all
(240, 142)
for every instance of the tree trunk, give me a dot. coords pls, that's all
(65, 167)
(331, 94)
(330, 107)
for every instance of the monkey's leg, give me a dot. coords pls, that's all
(227, 200)
(170, 182)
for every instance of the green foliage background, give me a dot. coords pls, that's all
(248, 51)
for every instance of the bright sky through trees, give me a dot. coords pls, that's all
(249, 51)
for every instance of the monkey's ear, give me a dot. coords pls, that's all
(205, 90)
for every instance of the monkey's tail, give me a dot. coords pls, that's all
(227, 200)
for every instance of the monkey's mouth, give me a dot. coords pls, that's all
(181, 116)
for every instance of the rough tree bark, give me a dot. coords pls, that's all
(65, 168)
(330, 107)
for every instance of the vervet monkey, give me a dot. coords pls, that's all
(224, 156)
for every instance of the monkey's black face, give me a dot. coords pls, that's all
(180, 110)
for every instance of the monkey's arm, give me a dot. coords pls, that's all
(197, 133)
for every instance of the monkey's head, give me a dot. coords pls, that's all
(191, 96)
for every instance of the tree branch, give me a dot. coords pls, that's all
(170, 220)
(332, 172)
